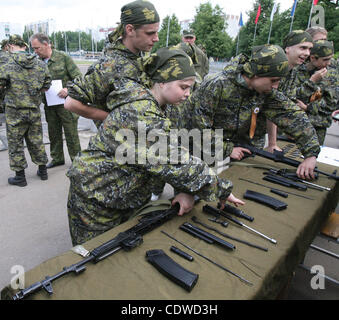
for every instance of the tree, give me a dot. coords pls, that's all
(210, 29)
(174, 33)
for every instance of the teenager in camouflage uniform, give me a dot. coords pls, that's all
(245, 90)
(318, 87)
(137, 33)
(297, 45)
(23, 79)
(62, 67)
(104, 191)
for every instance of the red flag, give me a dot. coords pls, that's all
(258, 13)
(315, 2)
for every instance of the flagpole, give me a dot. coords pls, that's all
(168, 27)
(269, 34)
(291, 23)
(309, 18)
(293, 13)
(255, 31)
(236, 53)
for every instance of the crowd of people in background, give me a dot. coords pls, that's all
(291, 90)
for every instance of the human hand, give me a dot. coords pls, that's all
(306, 168)
(232, 199)
(273, 147)
(238, 153)
(186, 202)
(318, 75)
(63, 93)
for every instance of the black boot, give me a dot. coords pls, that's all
(42, 172)
(19, 179)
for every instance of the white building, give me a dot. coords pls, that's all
(8, 28)
(231, 20)
(232, 25)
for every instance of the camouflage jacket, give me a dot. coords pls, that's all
(22, 78)
(62, 67)
(320, 110)
(100, 79)
(224, 101)
(288, 85)
(119, 167)
(202, 65)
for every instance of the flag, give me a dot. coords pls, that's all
(274, 9)
(258, 14)
(293, 8)
(315, 2)
(240, 20)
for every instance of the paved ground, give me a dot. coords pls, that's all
(34, 224)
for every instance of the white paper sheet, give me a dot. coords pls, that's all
(52, 97)
(329, 156)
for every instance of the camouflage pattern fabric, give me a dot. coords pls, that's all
(296, 37)
(22, 78)
(319, 111)
(138, 12)
(62, 67)
(100, 79)
(224, 101)
(322, 48)
(167, 65)
(104, 191)
(4, 56)
(266, 61)
(17, 40)
(202, 66)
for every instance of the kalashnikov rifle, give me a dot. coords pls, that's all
(126, 240)
(278, 156)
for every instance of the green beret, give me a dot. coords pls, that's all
(17, 40)
(296, 37)
(322, 48)
(267, 61)
(167, 65)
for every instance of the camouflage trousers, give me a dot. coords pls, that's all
(59, 118)
(87, 218)
(24, 124)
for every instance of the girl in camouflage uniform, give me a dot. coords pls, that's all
(105, 192)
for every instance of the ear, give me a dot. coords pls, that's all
(129, 28)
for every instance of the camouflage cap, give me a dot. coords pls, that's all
(168, 65)
(267, 61)
(296, 37)
(138, 12)
(4, 43)
(188, 33)
(17, 40)
(322, 48)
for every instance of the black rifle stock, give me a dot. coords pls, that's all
(278, 156)
(125, 240)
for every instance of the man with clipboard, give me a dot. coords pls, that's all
(62, 69)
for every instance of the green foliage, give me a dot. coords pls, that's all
(210, 29)
(174, 33)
